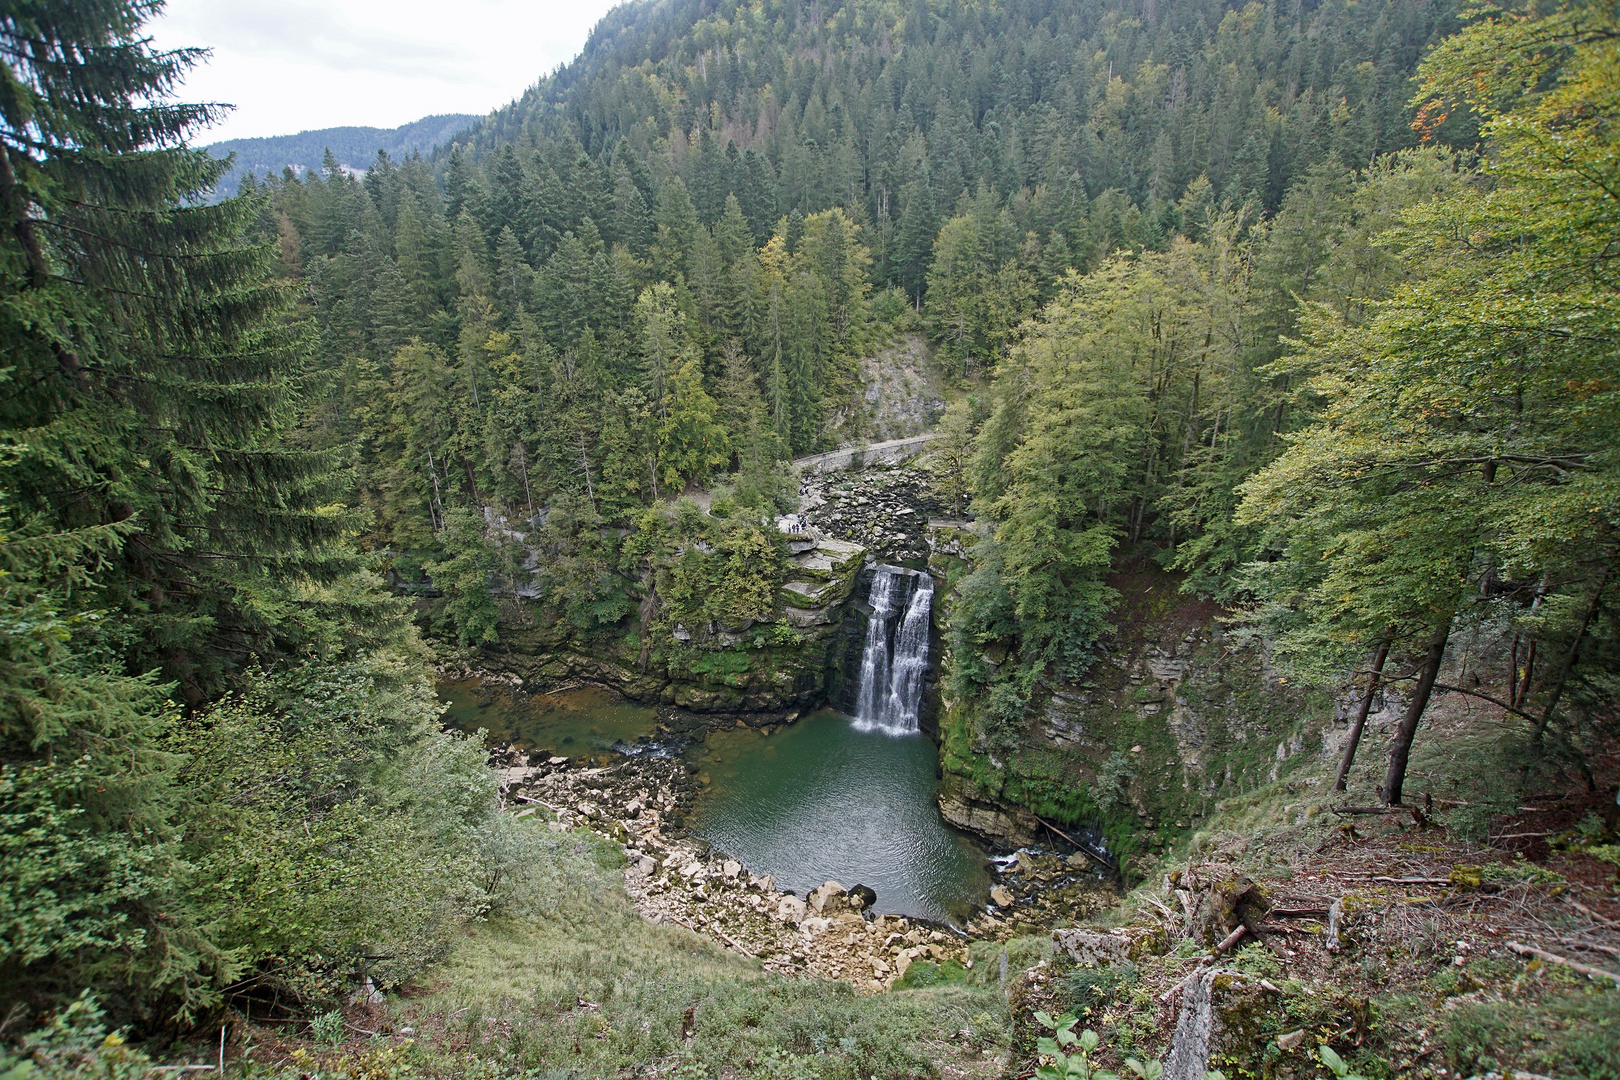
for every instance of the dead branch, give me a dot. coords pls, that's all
(1229, 940)
(1554, 958)
(1078, 846)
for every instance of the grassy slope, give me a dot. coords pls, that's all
(582, 986)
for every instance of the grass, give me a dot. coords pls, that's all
(1568, 1034)
(582, 986)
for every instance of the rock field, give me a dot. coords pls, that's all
(885, 510)
(831, 933)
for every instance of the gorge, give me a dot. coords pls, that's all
(827, 796)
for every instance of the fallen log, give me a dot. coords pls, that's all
(719, 933)
(1229, 940)
(1078, 846)
(1252, 925)
(520, 797)
(1594, 946)
(1418, 817)
(1563, 961)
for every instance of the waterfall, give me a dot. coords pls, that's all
(895, 659)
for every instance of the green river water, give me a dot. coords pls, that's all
(813, 801)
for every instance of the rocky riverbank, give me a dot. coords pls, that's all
(885, 510)
(672, 876)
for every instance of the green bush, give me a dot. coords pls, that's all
(331, 822)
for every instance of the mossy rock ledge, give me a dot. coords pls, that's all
(752, 669)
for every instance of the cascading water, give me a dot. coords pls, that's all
(895, 659)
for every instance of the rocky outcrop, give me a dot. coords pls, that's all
(712, 669)
(967, 806)
(1173, 714)
(902, 396)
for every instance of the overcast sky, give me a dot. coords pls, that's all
(293, 65)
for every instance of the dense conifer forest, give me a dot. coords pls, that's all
(1308, 307)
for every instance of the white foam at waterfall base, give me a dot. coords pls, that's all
(893, 662)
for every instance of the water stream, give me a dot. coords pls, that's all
(895, 657)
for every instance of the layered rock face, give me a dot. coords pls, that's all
(750, 668)
(1173, 716)
(902, 395)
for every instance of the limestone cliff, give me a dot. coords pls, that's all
(767, 667)
(1174, 715)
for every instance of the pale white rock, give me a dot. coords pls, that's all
(1090, 948)
(790, 909)
(822, 894)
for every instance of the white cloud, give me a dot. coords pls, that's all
(293, 65)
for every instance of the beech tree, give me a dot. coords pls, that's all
(1469, 454)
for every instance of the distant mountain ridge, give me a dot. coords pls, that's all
(354, 147)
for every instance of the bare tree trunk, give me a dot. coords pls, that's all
(1360, 721)
(1401, 752)
(1519, 692)
(1574, 651)
(436, 517)
(1529, 673)
(648, 611)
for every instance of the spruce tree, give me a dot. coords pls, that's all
(150, 503)
(152, 362)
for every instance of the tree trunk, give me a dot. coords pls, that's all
(1361, 713)
(1402, 750)
(1574, 651)
(1523, 694)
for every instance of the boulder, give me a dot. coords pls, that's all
(790, 909)
(826, 897)
(1089, 948)
(1001, 896)
(862, 897)
(1093, 948)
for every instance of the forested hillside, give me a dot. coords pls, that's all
(351, 147)
(1308, 308)
(663, 264)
